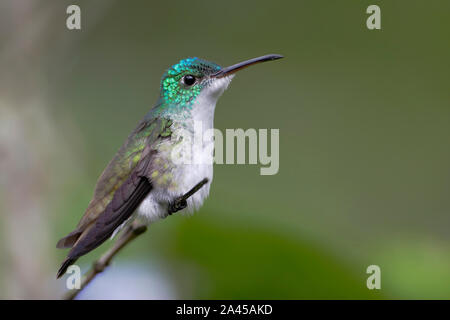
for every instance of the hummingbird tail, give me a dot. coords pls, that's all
(66, 263)
(69, 240)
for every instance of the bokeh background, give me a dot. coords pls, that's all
(364, 156)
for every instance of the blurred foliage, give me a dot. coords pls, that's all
(263, 264)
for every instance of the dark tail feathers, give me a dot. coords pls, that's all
(66, 263)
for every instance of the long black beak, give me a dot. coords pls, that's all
(241, 65)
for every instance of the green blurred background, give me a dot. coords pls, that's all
(364, 158)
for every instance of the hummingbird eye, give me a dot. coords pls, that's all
(189, 80)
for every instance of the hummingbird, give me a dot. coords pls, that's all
(143, 180)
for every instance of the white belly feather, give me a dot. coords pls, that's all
(155, 205)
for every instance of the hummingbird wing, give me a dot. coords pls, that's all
(120, 189)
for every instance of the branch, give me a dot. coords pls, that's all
(131, 232)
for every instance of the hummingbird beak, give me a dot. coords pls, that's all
(241, 65)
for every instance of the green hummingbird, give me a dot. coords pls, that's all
(145, 178)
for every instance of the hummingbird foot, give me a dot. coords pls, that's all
(181, 202)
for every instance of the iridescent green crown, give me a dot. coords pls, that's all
(174, 92)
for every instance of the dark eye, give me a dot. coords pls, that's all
(189, 80)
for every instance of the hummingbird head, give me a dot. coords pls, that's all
(185, 81)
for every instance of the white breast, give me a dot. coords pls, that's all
(155, 205)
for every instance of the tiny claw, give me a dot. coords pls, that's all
(181, 202)
(177, 205)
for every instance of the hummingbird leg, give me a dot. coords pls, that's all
(181, 202)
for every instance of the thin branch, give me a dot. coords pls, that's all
(129, 234)
(132, 231)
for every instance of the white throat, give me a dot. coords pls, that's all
(205, 104)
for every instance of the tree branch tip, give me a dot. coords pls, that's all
(139, 230)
